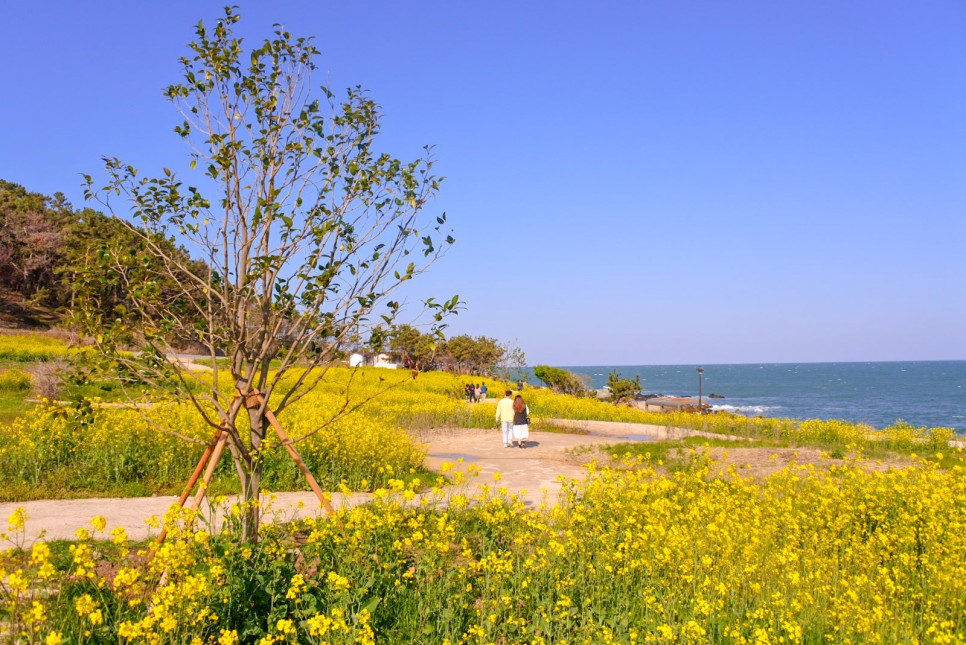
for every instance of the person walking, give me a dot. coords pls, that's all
(521, 421)
(478, 393)
(504, 416)
(483, 392)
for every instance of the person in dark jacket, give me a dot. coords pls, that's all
(521, 421)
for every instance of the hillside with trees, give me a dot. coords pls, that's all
(52, 253)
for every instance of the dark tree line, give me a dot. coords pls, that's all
(51, 253)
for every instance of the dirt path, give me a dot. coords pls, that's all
(534, 470)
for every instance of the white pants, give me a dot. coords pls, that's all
(507, 427)
(521, 432)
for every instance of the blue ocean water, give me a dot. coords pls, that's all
(924, 393)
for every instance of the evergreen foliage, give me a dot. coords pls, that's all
(622, 389)
(52, 254)
(561, 380)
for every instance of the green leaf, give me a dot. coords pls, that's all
(371, 605)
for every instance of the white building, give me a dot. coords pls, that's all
(384, 360)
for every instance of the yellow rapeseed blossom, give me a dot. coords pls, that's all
(228, 637)
(16, 520)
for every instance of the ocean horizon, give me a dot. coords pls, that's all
(879, 393)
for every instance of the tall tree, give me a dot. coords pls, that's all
(308, 235)
(416, 349)
(468, 355)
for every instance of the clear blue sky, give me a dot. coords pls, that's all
(629, 182)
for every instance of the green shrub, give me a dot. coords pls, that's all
(563, 381)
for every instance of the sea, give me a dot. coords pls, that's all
(923, 393)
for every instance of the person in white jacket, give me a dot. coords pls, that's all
(504, 416)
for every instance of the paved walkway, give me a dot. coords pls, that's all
(533, 472)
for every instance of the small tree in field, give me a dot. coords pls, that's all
(308, 234)
(561, 380)
(513, 360)
(622, 389)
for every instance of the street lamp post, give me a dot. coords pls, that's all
(700, 373)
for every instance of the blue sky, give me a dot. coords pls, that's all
(629, 182)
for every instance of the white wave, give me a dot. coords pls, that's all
(745, 409)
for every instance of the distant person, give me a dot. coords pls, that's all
(483, 391)
(520, 385)
(478, 392)
(521, 421)
(504, 416)
(468, 392)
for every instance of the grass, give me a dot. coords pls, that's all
(15, 402)
(13, 405)
(547, 426)
(678, 455)
(61, 484)
(660, 449)
(62, 557)
(675, 455)
(103, 390)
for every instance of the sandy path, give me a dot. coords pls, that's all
(532, 471)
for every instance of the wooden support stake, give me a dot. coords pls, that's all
(209, 461)
(192, 480)
(209, 471)
(313, 484)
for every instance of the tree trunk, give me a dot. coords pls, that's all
(251, 515)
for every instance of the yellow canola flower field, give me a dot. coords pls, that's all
(88, 449)
(31, 347)
(629, 556)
